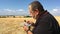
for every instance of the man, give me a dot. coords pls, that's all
(45, 22)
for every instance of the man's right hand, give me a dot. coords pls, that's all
(29, 32)
(25, 28)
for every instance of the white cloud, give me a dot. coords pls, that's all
(55, 12)
(13, 12)
(20, 10)
(7, 10)
(55, 9)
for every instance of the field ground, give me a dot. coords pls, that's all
(15, 25)
(58, 19)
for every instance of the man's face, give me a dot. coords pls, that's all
(32, 13)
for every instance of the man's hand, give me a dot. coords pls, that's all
(30, 22)
(25, 28)
(29, 32)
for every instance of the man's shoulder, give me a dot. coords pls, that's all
(45, 17)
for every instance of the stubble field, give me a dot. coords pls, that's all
(15, 25)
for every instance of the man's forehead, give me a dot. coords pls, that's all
(30, 7)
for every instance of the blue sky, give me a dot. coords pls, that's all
(20, 7)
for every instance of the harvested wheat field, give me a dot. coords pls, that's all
(15, 25)
(12, 25)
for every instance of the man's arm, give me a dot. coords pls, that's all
(43, 27)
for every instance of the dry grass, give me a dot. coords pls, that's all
(58, 19)
(14, 25)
